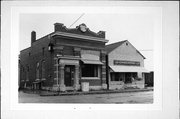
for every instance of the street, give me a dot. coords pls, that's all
(118, 98)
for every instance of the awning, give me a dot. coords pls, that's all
(128, 69)
(91, 61)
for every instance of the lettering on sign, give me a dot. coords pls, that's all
(124, 62)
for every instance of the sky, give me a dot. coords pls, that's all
(136, 28)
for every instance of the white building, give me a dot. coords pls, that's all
(126, 66)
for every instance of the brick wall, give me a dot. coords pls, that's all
(29, 57)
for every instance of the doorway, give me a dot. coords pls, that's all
(69, 75)
(129, 77)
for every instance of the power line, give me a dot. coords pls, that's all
(146, 50)
(76, 20)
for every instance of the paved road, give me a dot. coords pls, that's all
(133, 97)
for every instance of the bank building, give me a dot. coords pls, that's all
(64, 59)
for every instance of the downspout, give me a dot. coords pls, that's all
(107, 72)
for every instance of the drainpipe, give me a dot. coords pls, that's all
(107, 72)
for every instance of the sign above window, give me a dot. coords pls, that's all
(124, 62)
(90, 54)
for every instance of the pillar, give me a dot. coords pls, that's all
(56, 75)
(76, 79)
(61, 78)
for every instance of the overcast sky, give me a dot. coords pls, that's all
(136, 28)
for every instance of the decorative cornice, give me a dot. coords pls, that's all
(58, 33)
(80, 46)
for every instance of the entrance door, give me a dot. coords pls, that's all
(128, 78)
(69, 75)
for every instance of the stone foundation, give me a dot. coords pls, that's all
(116, 85)
(95, 87)
(55, 88)
(104, 86)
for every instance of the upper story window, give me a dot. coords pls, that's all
(43, 49)
(43, 69)
(37, 70)
(27, 68)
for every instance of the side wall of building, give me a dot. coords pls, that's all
(29, 58)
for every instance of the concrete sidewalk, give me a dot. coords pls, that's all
(49, 93)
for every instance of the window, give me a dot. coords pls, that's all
(90, 70)
(117, 76)
(43, 69)
(43, 51)
(27, 73)
(27, 68)
(37, 70)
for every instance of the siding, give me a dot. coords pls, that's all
(125, 52)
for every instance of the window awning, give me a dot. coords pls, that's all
(85, 61)
(128, 69)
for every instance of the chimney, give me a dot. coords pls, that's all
(58, 27)
(33, 37)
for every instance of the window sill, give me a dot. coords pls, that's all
(90, 78)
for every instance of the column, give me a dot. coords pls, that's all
(56, 75)
(61, 78)
(57, 72)
(76, 78)
(103, 69)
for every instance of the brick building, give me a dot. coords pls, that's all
(126, 65)
(64, 59)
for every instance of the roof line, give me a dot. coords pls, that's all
(116, 42)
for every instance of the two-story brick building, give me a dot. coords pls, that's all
(126, 65)
(64, 59)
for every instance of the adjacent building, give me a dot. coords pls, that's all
(64, 59)
(126, 66)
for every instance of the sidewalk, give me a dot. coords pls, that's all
(49, 93)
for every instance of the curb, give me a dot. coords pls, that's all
(96, 92)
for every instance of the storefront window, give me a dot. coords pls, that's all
(117, 76)
(89, 70)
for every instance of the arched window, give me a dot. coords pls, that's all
(37, 70)
(43, 69)
(27, 73)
